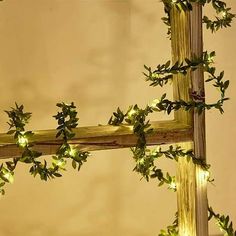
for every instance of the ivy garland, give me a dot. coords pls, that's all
(165, 72)
(223, 19)
(67, 120)
(171, 230)
(137, 117)
(145, 158)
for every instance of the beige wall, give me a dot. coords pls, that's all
(92, 52)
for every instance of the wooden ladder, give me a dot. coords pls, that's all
(187, 128)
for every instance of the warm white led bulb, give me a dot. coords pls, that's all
(186, 233)
(60, 163)
(203, 175)
(207, 174)
(22, 141)
(224, 13)
(155, 76)
(72, 152)
(172, 185)
(131, 113)
(210, 59)
(154, 152)
(141, 161)
(9, 177)
(154, 103)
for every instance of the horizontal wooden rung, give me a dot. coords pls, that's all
(102, 137)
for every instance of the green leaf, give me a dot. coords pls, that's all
(11, 131)
(74, 164)
(226, 84)
(57, 174)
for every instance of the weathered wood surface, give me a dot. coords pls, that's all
(185, 176)
(199, 123)
(191, 186)
(100, 138)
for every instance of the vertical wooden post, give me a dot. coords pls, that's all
(186, 40)
(185, 176)
(199, 124)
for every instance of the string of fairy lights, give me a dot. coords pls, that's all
(223, 17)
(145, 158)
(67, 120)
(162, 75)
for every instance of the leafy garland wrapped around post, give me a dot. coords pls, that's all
(163, 73)
(145, 158)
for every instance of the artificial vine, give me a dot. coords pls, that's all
(164, 73)
(223, 222)
(145, 159)
(223, 18)
(67, 121)
(171, 230)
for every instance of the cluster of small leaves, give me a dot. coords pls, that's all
(174, 153)
(145, 158)
(184, 5)
(220, 84)
(171, 230)
(67, 120)
(118, 117)
(17, 121)
(168, 4)
(165, 72)
(223, 19)
(223, 222)
(136, 117)
(166, 21)
(6, 174)
(145, 166)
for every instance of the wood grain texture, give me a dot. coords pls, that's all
(191, 191)
(186, 175)
(199, 122)
(186, 201)
(180, 47)
(191, 187)
(100, 138)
